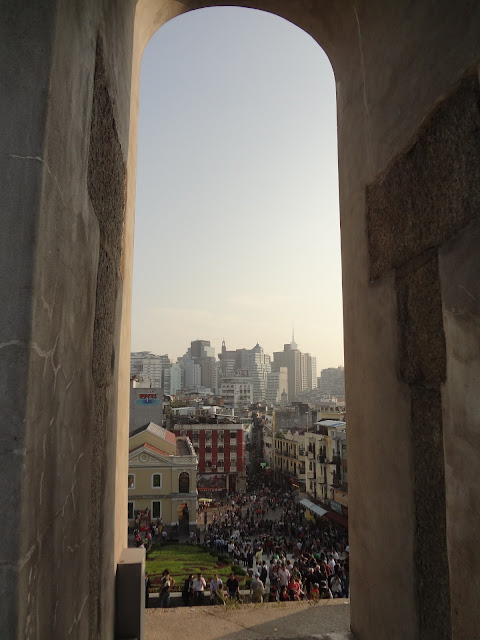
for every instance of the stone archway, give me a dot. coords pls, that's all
(407, 92)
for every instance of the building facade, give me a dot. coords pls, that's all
(331, 382)
(277, 384)
(149, 366)
(221, 455)
(146, 405)
(174, 377)
(289, 459)
(162, 478)
(237, 391)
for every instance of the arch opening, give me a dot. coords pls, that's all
(242, 184)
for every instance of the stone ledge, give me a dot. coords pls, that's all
(327, 620)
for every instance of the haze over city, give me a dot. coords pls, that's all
(237, 223)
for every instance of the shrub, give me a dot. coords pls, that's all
(238, 571)
(223, 558)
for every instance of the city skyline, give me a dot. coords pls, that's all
(237, 218)
(176, 356)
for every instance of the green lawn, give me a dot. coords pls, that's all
(182, 560)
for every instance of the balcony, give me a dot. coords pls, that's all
(337, 482)
(336, 459)
(321, 458)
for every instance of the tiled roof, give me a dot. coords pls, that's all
(156, 430)
(146, 445)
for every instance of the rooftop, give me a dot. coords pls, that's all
(156, 430)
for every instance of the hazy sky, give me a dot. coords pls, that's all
(237, 224)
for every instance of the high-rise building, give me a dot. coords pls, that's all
(192, 373)
(258, 365)
(332, 382)
(237, 390)
(203, 354)
(149, 365)
(173, 377)
(291, 358)
(311, 372)
(254, 361)
(227, 360)
(197, 348)
(277, 384)
(301, 367)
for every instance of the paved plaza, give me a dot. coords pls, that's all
(326, 620)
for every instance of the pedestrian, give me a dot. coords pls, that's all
(256, 589)
(147, 589)
(187, 591)
(216, 590)
(263, 573)
(199, 585)
(233, 587)
(165, 584)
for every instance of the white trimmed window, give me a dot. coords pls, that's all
(156, 509)
(157, 481)
(131, 481)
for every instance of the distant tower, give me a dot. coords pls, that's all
(224, 347)
(293, 344)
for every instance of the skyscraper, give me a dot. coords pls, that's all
(149, 365)
(301, 368)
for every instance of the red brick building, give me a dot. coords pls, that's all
(221, 450)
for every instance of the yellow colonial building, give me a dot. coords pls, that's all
(162, 478)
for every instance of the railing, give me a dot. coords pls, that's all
(321, 458)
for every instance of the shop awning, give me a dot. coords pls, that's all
(313, 507)
(338, 519)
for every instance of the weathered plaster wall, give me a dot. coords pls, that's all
(459, 269)
(25, 51)
(426, 196)
(61, 276)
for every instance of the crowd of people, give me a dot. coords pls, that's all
(286, 556)
(266, 532)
